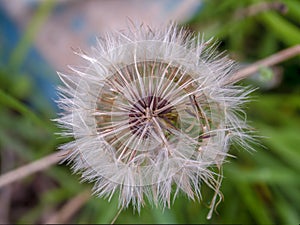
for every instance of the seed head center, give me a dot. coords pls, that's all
(148, 113)
(143, 119)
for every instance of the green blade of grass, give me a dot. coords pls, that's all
(281, 144)
(254, 204)
(278, 175)
(286, 211)
(285, 30)
(37, 21)
(15, 104)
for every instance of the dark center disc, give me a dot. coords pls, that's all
(145, 109)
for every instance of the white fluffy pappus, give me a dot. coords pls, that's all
(152, 114)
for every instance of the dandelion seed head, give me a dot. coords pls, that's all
(151, 114)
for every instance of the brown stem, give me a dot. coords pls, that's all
(254, 9)
(69, 209)
(269, 61)
(7, 163)
(117, 215)
(30, 168)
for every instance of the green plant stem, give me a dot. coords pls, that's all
(10, 101)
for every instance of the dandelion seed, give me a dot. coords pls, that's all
(151, 115)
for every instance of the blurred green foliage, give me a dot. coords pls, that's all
(260, 187)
